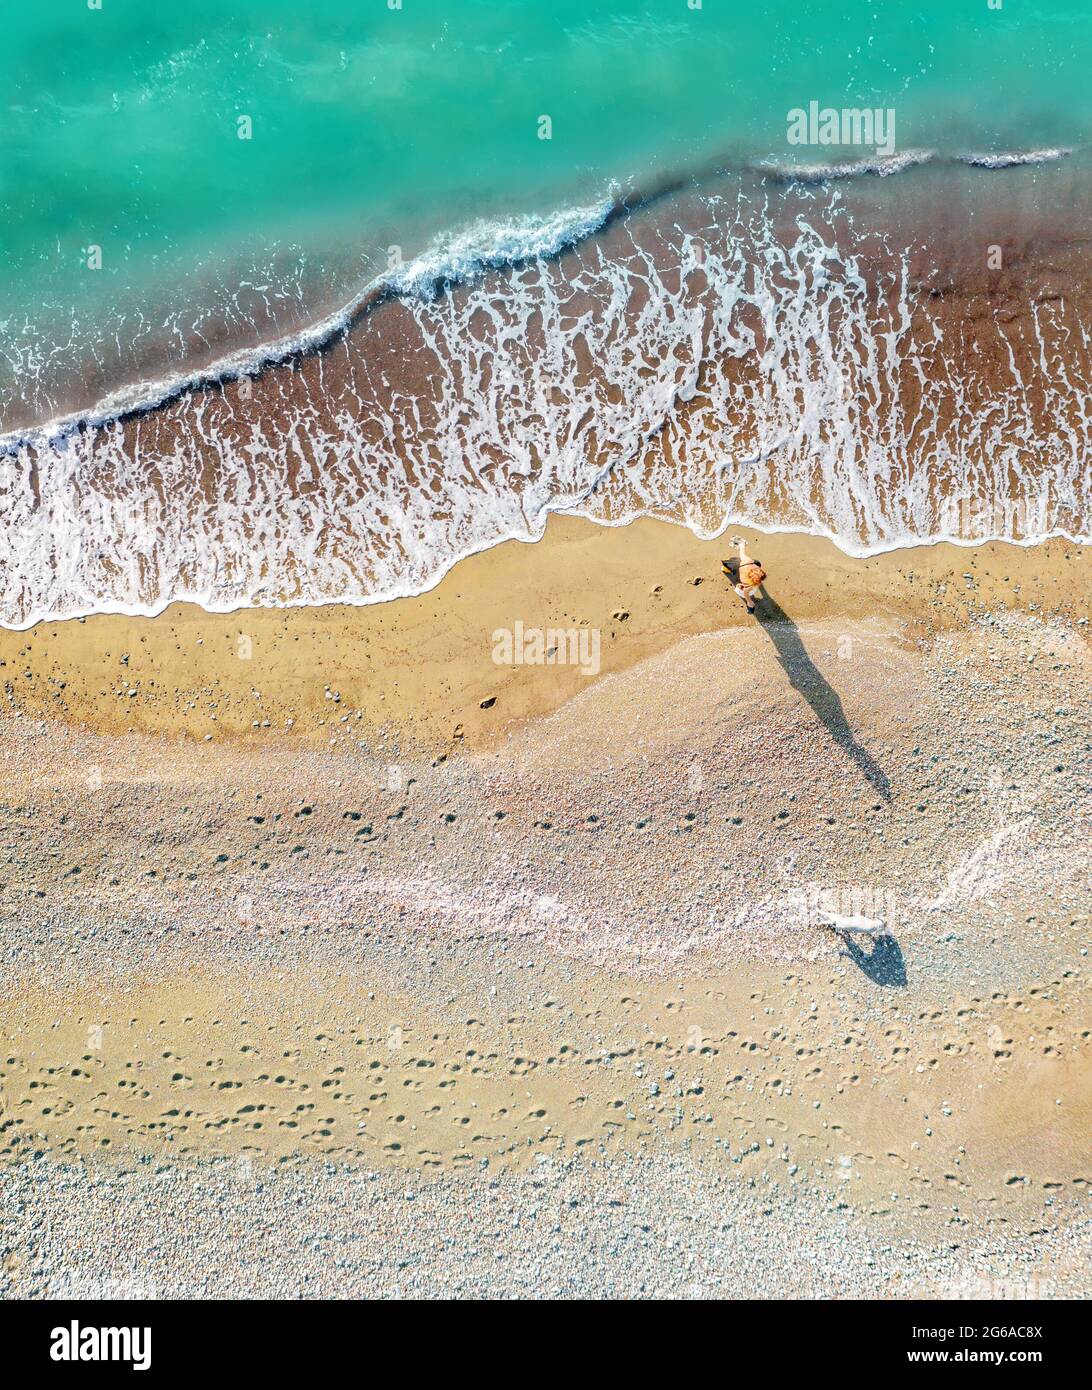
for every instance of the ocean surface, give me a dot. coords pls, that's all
(299, 304)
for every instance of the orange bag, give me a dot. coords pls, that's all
(751, 575)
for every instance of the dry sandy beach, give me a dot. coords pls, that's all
(341, 959)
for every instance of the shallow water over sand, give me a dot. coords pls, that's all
(884, 361)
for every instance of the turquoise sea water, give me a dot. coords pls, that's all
(374, 128)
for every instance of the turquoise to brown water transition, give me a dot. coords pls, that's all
(303, 306)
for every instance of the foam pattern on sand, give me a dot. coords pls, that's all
(763, 361)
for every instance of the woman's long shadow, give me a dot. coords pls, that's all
(805, 677)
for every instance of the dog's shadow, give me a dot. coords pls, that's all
(884, 964)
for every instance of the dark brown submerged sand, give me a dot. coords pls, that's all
(906, 358)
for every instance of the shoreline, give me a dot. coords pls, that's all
(730, 525)
(829, 364)
(420, 666)
(428, 272)
(421, 873)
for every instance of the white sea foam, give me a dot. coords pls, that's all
(492, 245)
(880, 165)
(711, 375)
(1008, 159)
(885, 165)
(448, 261)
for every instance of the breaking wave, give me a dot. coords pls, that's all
(1009, 159)
(449, 261)
(882, 166)
(754, 358)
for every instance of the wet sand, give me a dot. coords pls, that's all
(420, 668)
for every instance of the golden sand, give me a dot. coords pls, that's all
(422, 667)
(763, 1069)
(963, 1096)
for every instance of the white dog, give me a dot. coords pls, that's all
(869, 926)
